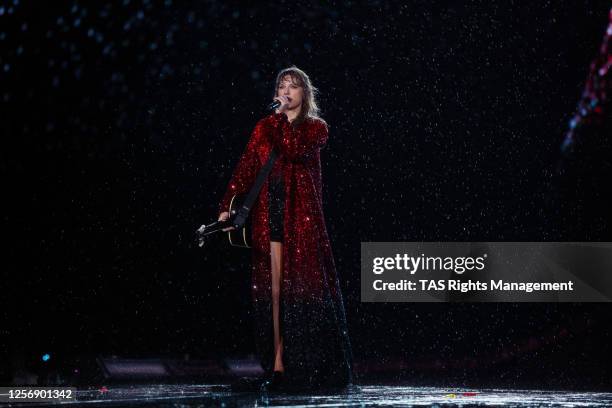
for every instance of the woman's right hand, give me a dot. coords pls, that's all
(284, 100)
(224, 216)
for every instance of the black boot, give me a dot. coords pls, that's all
(275, 383)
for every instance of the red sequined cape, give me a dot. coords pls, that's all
(316, 347)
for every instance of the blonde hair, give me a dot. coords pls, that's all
(310, 109)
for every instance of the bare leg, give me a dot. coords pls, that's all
(276, 252)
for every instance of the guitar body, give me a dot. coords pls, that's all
(239, 237)
(239, 213)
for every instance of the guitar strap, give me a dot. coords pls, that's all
(243, 212)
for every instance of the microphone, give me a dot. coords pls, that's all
(274, 105)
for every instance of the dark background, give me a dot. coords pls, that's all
(122, 124)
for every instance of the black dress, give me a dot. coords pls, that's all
(276, 192)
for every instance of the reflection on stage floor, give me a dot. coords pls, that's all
(220, 395)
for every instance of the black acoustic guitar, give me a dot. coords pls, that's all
(240, 236)
(239, 211)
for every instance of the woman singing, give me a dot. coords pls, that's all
(301, 332)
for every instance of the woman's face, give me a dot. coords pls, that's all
(292, 90)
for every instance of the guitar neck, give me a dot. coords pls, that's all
(216, 227)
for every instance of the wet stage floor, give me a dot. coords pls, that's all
(219, 395)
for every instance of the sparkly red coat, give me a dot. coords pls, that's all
(316, 347)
